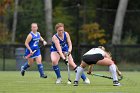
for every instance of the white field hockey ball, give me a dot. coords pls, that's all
(68, 82)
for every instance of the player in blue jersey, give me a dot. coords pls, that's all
(61, 44)
(31, 43)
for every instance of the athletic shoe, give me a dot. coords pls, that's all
(75, 83)
(86, 81)
(22, 71)
(116, 83)
(43, 76)
(58, 81)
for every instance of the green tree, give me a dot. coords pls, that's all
(30, 11)
(129, 39)
(5, 7)
(4, 34)
(95, 34)
(61, 14)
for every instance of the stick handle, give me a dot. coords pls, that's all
(26, 57)
(67, 56)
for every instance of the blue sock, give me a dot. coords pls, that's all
(26, 65)
(40, 69)
(83, 76)
(57, 71)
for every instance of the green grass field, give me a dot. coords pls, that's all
(13, 82)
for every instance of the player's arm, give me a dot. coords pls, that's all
(28, 39)
(90, 68)
(107, 55)
(69, 42)
(44, 42)
(58, 47)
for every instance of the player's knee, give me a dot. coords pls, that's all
(75, 69)
(83, 65)
(111, 63)
(54, 63)
(39, 62)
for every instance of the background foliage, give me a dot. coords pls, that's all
(74, 14)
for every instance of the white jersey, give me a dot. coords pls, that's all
(95, 51)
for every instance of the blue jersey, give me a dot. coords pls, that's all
(34, 45)
(63, 44)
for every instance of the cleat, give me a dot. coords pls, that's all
(22, 71)
(58, 81)
(86, 81)
(43, 76)
(75, 83)
(116, 83)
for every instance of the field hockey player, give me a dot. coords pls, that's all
(32, 44)
(61, 44)
(100, 57)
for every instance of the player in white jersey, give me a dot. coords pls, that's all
(90, 68)
(100, 57)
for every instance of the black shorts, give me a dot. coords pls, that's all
(92, 59)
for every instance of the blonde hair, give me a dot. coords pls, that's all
(101, 47)
(59, 25)
(33, 24)
(108, 52)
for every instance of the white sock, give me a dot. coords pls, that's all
(79, 73)
(112, 69)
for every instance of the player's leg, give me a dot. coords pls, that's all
(118, 71)
(55, 57)
(90, 68)
(74, 66)
(80, 70)
(112, 69)
(40, 66)
(26, 66)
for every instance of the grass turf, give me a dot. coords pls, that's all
(13, 82)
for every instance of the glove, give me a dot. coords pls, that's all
(44, 43)
(66, 61)
(68, 53)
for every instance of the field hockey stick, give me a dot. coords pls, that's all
(108, 77)
(26, 57)
(67, 56)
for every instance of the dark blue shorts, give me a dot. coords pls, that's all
(36, 54)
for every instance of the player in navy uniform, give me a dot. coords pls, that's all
(100, 57)
(31, 43)
(61, 44)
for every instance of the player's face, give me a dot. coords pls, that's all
(34, 27)
(60, 30)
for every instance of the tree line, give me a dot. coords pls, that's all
(87, 21)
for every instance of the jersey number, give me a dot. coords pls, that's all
(36, 43)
